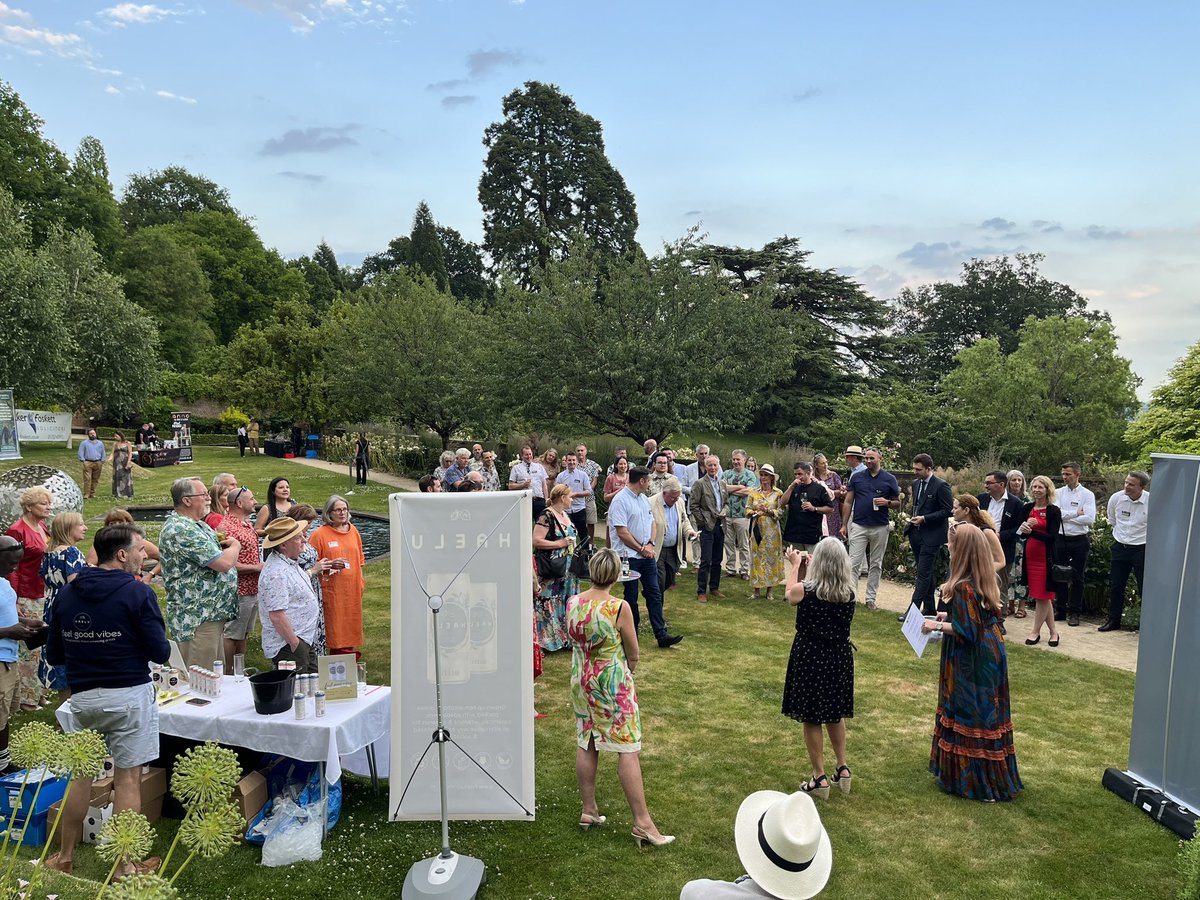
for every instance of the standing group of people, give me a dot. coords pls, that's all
(92, 456)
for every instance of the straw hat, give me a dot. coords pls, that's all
(854, 450)
(282, 530)
(783, 845)
(767, 469)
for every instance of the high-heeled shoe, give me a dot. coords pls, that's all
(818, 786)
(586, 821)
(842, 781)
(640, 837)
(1053, 642)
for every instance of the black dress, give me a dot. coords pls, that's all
(820, 676)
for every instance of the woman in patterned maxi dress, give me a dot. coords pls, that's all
(764, 509)
(972, 753)
(604, 654)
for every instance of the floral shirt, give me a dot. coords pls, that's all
(284, 586)
(592, 468)
(195, 593)
(57, 566)
(243, 532)
(737, 505)
(491, 477)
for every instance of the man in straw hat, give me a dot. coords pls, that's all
(783, 845)
(287, 604)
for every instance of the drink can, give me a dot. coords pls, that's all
(310, 687)
(219, 667)
(319, 703)
(298, 704)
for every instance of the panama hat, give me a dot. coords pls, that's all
(767, 469)
(854, 450)
(282, 530)
(783, 845)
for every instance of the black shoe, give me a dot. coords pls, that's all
(1110, 626)
(1072, 620)
(670, 640)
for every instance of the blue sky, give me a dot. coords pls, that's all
(896, 140)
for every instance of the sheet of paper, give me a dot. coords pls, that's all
(912, 629)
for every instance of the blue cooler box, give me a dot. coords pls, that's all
(52, 791)
(32, 831)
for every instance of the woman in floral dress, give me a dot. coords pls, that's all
(604, 655)
(1017, 594)
(555, 533)
(122, 466)
(62, 562)
(833, 481)
(764, 508)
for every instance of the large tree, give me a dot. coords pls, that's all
(639, 347)
(1171, 423)
(464, 264)
(992, 299)
(88, 200)
(164, 196)
(546, 175)
(32, 169)
(163, 276)
(842, 329)
(425, 250)
(418, 357)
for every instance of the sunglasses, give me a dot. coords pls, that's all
(238, 493)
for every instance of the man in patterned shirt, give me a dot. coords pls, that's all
(491, 475)
(200, 575)
(593, 472)
(249, 563)
(741, 482)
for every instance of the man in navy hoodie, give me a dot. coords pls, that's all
(107, 629)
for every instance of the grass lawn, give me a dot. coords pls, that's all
(713, 733)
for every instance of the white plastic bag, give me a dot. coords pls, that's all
(293, 833)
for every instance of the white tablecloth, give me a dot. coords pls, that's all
(347, 726)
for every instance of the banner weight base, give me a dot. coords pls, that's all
(451, 877)
(1152, 802)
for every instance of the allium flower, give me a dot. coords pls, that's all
(82, 754)
(32, 745)
(205, 776)
(211, 832)
(127, 836)
(142, 887)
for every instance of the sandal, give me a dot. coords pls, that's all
(770, 595)
(1020, 613)
(842, 781)
(817, 785)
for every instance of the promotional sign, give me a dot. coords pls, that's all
(181, 424)
(473, 555)
(10, 446)
(338, 676)
(34, 426)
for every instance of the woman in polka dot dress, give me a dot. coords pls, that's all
(819, 688)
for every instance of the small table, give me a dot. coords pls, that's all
(631, 575)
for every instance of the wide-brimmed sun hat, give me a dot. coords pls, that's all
(767, 469)
(282, 530)
(854, 450)
(783, 845)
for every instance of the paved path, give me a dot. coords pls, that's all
(1117, 649)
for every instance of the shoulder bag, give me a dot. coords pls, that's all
(550, 567)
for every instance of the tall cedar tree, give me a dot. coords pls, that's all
(425, 248)
(546, 175)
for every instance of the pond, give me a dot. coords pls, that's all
(376, 531)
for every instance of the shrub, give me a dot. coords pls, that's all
(396, 454)
(232, 419)
(189, 386)
(1189, 869)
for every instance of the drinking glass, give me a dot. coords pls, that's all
(362, 678)
(239, 667)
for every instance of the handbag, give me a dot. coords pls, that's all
(581, 561)
(550, 567)
(1059, 573)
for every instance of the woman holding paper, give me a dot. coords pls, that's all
(972, 753)
(819, 688)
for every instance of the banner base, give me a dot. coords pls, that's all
(450, 878)
(1152, 802)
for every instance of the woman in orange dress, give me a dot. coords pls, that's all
(342, 587)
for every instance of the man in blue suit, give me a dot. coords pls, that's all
(931, 507)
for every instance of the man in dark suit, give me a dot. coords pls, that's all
(1006, 510)
(932, 505)
(707, 507)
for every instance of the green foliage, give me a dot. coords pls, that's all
(164, 197)
(392, 453)
(88, 201)
(1171, 423)
(426, 253)
(158, 411)
(546, 176)
(417, 357)
(464, 265)
(324, 257)
(163, 276)
(1189, 870)
(32, 169)
(188, 387)
(637, 347)
(233, 418)
(993, 299)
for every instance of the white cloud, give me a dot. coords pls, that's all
(135, 14)
(109, 89)
(36, 41)
(167, 95)
(305, 15)
(9, 12)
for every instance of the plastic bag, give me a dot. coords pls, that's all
(292, 834)
(298, 781)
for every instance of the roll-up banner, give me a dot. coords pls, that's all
(10, 447)
(35, 426)
(181, 425)
(472, 553)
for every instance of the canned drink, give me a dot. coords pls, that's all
(310, 685)
(298, 704)
(171, 679)
(219, 667)
(319, 703)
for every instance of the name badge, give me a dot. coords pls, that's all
(1126, 513)
(1074, 502)
(333, 543)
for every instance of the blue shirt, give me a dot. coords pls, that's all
(576, 481)
(8, 618)
(866, 488)
(454, 474)
(91, 451)
(672, 516)
(632, 511)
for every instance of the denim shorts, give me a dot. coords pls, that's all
(126, 716)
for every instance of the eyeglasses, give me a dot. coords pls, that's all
(201, 494)
(992, 483)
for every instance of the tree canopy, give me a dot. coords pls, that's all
(546, 176)
(162, 197)
(1171, 423)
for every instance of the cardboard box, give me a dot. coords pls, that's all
(154, 787)
(100, 810)
(251, 795)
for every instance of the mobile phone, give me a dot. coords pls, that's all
(198, 701)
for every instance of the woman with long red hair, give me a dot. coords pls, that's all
(973, 754)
